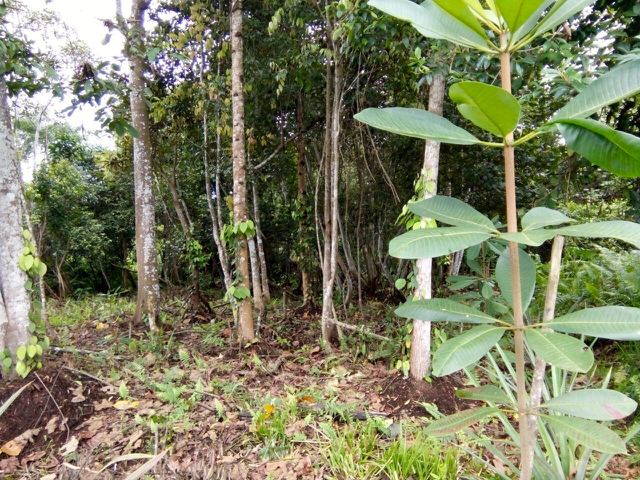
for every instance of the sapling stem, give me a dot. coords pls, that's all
(549, 312)
(514, 254)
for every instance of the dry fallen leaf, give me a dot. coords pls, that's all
(69, 447)
(12, 448)
(78, 394)
(101, 326)
(52, 425)
(15, 446)
(126, 404)
(51, 476)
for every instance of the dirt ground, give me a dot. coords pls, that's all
(92, 403)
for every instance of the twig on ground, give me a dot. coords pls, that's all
(362, 329)
(86, 352)
(64, 420)
(97, 379)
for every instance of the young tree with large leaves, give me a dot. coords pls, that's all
(501, 29)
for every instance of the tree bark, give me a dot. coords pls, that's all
(146, 254)
(264, 276)
(14, 298)
(332, 261)
(302, 202)
(183, 217)
(258, 299)
(245, 313)
(215, 212)
(420, 360)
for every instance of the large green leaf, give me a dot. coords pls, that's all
(442, 310)
(533, 238)
(561, 351)
(435, 242)
(620, 230)
(561, 11)
(460, 10)
(517, 12)
(600, 404)
(619, 83)
(416, 123)
(616, 152)
(587, 433)
(458, 421)
(527, 277)
(486, 393)
(465, 349)
(540, 217)
(490, 108)
(452, 212)
(530, 24)
(432, 21)
(614, 323)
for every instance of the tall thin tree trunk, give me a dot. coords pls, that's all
(327, 292)
(420, 360)
(183, 217)
(146, 254)
(258, 299)
(302, 201)
(14, 298)
(216, 222)
(264, 276)
(245, 314)
(327, 303)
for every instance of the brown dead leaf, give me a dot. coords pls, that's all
(32, 457)
(103, 405)
(78, 394)
(51, 476)
(52, 425)
(9, 465)
(69, 447)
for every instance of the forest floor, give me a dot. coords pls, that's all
(204, 408)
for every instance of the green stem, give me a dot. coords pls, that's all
(512, 227)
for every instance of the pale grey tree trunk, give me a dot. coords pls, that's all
(302, 200)
(14, 298)
(264, 276)
(258, 299)
(146, 254)
(420, 360)
(245, 313)
(331, 262)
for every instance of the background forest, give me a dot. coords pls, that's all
(218, 279)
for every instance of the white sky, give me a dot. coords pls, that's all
(85, 17)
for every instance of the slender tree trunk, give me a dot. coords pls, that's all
(327, 303)
(258, 299)
(537, 383)
(327, 294)
(146, 254)
(245, 314)
(302, 201)
(264, 276)
(183, 217)
(518, 316)
(216, 221)
(14, 298)
(421, 335)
